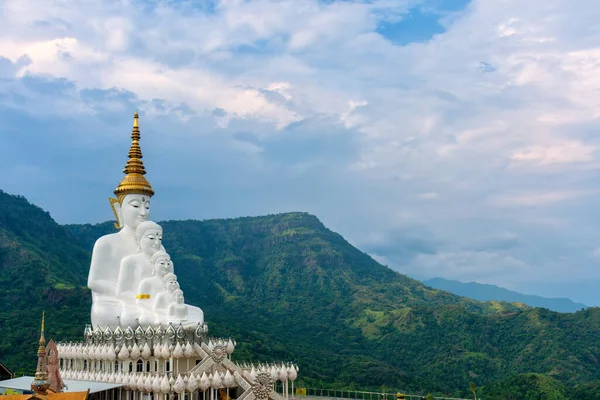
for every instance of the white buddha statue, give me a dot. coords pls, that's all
(178, 311)
(135, 268)
(164, 299)
(150, 287)
(167, 296)
(131, 207)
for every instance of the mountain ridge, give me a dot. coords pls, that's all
(288, 288)
(487, 292)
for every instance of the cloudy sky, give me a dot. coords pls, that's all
(448, 138)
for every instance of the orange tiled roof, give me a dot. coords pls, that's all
(50, 396)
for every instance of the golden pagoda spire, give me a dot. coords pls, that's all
(40, 382)
(134, 181)
(42, 338)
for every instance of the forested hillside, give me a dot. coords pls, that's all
(287, 288)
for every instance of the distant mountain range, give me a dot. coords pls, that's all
(485, 292)
(287, 288)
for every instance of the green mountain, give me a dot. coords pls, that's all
(42, 266)
(526, 386)
(287, 288)
(485, 292)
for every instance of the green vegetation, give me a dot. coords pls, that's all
(527, 386)
(287, 288)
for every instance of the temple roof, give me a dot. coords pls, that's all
(4, 371)
(50, 396)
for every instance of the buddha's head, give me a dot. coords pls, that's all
(178, 294)
(162, 263)
(170, 281)
(132, 204)
(148, 236)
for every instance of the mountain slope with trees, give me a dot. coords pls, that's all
(288, 288)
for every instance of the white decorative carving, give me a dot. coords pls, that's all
(156, 384)
(123, 353)
(165, 387)
(134, 352)
(262, 386)
(188, 351)
(146, 352)
(204, 383)
(228, 380)
(192, 383)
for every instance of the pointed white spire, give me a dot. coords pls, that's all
(165, 387)
(204, 382)
(140, 383)
(230, 346)
(282, 373)
(192, 383)
(228, 380)
(135, 352)
(146, 351)
(132, 382)
(112, 355)
(148, 383)
(157, 351)
(274, 373)
(156, 384)
(165, 352)
(216, 382)
(123, 353)
(179, 386)
(178, 351)
(188, 351)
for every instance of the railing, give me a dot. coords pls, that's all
(302, 393)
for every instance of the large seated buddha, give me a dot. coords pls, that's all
(131, 208)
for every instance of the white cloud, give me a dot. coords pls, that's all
(529, 199)
(500, 144)
(429, 195)
(479, 266)
(560, 153)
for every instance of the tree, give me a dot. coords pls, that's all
(473, 389)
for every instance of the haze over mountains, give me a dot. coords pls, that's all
(287, 288)
(486, 292)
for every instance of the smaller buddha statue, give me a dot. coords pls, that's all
(167, 297)
(135, 268)
(178, 311)
(150, 287)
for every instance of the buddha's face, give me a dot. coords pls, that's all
(150, 241)
(172, 284)
(135, 209)
(163, 266)
(179, 298)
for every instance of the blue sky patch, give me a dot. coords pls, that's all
(422, 22)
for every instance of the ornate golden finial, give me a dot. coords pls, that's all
(42, 338)
(134, 181)
(40, 382)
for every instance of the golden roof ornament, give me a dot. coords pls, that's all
(134, 181)
(40, 382)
